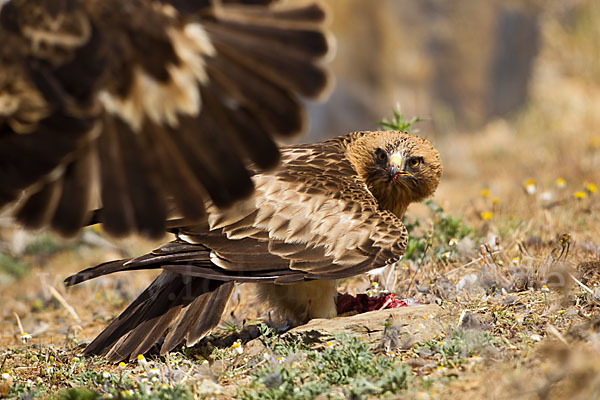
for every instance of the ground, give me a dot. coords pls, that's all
(501, 277)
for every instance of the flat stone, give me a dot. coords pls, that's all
(391, 328)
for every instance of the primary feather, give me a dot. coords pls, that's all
(159, 102)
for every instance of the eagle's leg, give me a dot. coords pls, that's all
(301, 301)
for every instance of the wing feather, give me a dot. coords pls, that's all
(170, 96)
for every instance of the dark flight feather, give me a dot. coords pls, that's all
(169, 98)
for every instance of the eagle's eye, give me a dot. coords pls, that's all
(381, 155)
(414, 162)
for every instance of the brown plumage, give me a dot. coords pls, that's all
(331, 210)
(159, 102)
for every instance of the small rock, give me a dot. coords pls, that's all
(418, 323)
(208, 387)
(467, 282)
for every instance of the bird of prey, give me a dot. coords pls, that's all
(331, 210)
(157, 103)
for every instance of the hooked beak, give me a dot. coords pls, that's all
(396, 167)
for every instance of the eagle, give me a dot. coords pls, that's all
(331, 210)
(142, 108)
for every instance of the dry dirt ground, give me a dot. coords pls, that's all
(504, 263)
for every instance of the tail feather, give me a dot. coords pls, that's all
(150, 316)
(199, 318)
(182, 307)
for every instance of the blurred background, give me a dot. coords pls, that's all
(459, 64)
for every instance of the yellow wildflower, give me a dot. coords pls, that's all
(142, 361)
(530, 186)
(485, 192)
(579, 195)
(25, 337)
(486, 215)
(591, 188)
(237, 346)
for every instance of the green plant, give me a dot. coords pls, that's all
(458, 346)
(346, 365)
(440, 238)
(78, 394)
(399, 123)
(13, 266)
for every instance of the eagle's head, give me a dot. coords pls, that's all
(398, 168)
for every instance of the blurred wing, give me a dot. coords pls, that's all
(153, 104)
